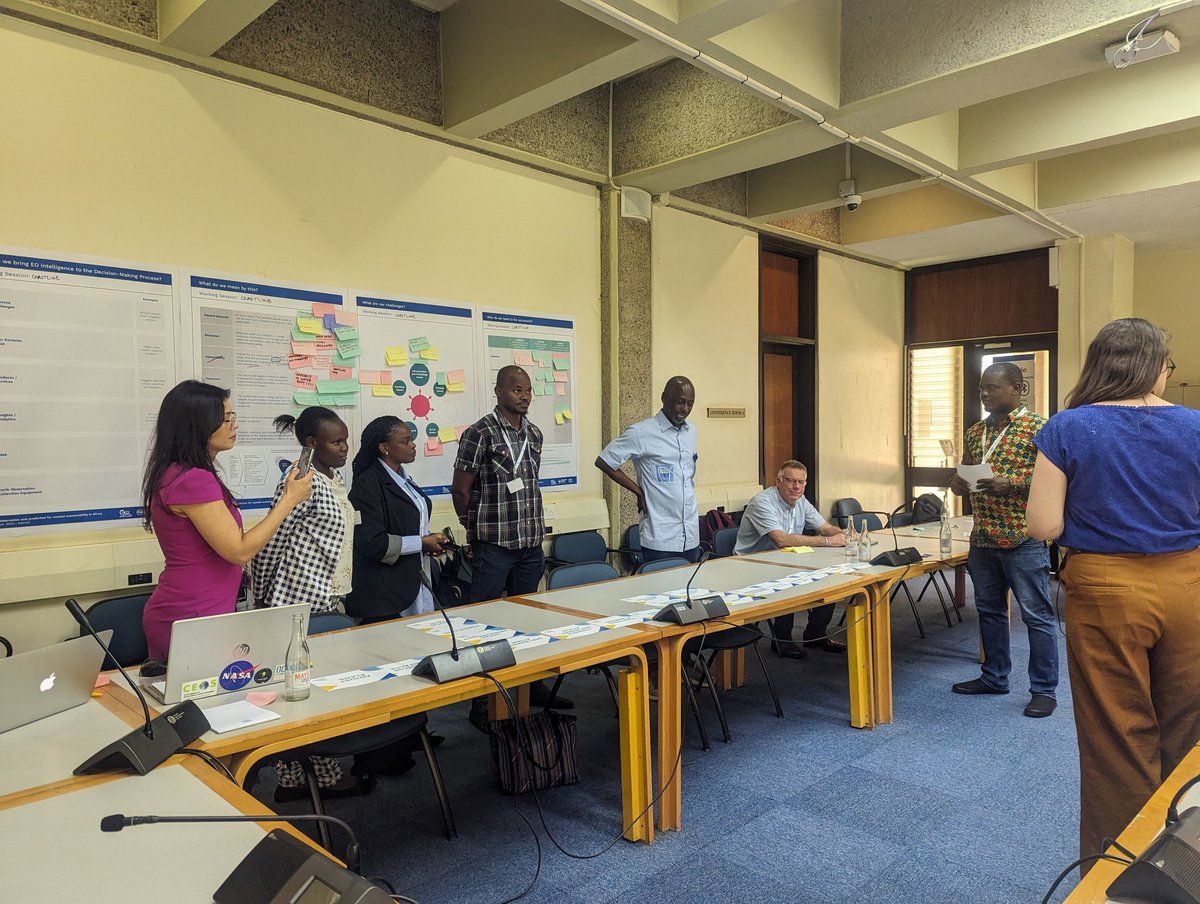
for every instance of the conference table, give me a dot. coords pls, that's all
(960, 535)
(332, 713)
(54, 849)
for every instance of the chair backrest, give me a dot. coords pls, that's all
(843, 509)
(581, 573)
(578, 546)
(901, 519)
(873, 521)
(8, 648)
(724, 540)
(631, 548)
(329, 621)
(123, 614)
(661, 564)
(926, 507)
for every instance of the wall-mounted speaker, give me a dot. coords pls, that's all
(635, 204)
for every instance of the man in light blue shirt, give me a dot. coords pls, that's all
(775, 518)
(663, 451)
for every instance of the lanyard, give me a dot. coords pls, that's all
(517, 458)
(992, 448)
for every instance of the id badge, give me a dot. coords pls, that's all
(515, 485)
(357, 517)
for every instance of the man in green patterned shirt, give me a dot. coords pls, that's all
(1002, 556)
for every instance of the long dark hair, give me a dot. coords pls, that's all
(1124, 361)
(307, 424)
(373, 434)
(188, 417)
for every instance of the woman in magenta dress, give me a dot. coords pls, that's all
(194, 516)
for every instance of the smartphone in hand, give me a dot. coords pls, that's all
(305, 462)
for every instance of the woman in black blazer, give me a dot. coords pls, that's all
(392, 536)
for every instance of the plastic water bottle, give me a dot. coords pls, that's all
(945, 547)
(851, 541)
(297, 669)
(864, 544)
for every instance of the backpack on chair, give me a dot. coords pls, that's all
(925, 508)
(713, 521)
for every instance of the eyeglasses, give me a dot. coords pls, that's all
(230, 418)
(793, 482)
(1170, 367)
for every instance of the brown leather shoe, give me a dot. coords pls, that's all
(828, 644)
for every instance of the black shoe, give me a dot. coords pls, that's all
(787, 649)
(828, 644)
(479, 714)
(976, 686)
(539, 694)
(435, 740)
(1040, 706)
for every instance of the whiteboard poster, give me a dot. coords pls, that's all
(419, 364)
(275, 349)
(87, 351)
(545, 347)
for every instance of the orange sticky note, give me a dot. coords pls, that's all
(304, 381)
(367, 377)
(304, 348)
(295, 361)
(325, 343)
(561, 376)
(456, 376)
(320, 309)
(433, 446)
(341, 373)
(385, 376)
(560, 388)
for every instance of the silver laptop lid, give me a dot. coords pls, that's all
(225, 654)
(46, 681)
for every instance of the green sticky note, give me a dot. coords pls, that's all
(441, 378)
(337, 387)
(349, 349)
(543, 359)
(562, 364)
(543, 389)
(418, 344)
(345, 333)
(340, 400)
(299, 336)
(341, 360)
(307, 399)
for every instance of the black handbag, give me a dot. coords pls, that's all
(534, 751)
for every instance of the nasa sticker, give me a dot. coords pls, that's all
(236, 675)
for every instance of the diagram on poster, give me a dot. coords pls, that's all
(419, 365)
(545, 347)
(87, 351)
(280, 349)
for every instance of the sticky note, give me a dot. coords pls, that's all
(341, 373)
(433, 446)
(345, 333)
(456, 387)
(310, 325)
(440, 379)
(523, 358)
(320, 309)
(349, 349)
(566, 412)
(561, 376)
(368, 377)
(558, 418)
(347, 318)
(456, 376)
(328, 321)
(447, 435)
(539, 388)
(418, 343)
(295, 361)
(306, 398)
(337, 387)
(304, 348)
(323, 362)
(339, 400)
(546, 376)
(382, 390)
(299, 336)
(562, 364)
(396, 355)
(340, 359)
(385, 376)
(304, 381)
(560, 388)
(564, 355)
(543, 359)
(429, 354)
(324, 343)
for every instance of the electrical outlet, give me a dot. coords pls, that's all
(144, 577)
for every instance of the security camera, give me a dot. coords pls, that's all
(847, 193)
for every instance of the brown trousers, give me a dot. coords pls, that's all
(1133, 651)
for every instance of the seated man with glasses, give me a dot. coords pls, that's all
(776, 518)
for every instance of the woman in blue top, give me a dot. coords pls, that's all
(1117, 484)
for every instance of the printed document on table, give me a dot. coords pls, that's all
(972, 474)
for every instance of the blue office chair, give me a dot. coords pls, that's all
(365, 741)
(663, 564)
(724, 541)
(581, 573)
(123, 614)
(845, 510)
(631, 549)
(577, 546)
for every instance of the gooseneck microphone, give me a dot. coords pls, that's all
(704, 557)
(280, 867)
(896, 556)
(455, 663)
(147, 747)
(689, 611)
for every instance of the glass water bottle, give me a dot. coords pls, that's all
(297, 672)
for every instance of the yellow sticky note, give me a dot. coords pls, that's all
(456, 387)
(382, 390)
(396, 355)
(567, 413)
(797, 549)
(429, 354)
(558, 418)
(310, 325)
(447, 435)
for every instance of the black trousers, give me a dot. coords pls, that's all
(818, 623)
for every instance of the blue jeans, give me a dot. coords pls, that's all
(496, 571)
(649, 555)
(1025, 570)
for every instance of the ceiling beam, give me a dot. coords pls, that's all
(1163, 161)
(203, 27)
(806, 184)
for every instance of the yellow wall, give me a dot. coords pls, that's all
(1165, 292)
(860, 380)
(120, 155)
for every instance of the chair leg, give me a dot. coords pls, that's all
(770, 685)
(612, 689)
(310, 775)
(942, 600)
(903, 585)
(924, 587)
(716, 698)
(950, 595)
(554, 689)
(439, 786)
(687, 688)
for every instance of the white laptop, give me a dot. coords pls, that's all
(46, 681)
(225, 654)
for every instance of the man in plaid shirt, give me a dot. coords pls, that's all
(1003, 557)
(499, 502)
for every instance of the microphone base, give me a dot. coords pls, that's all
(894, 558)
(281, 868)
(688, 612)
(472, 660)
(176, 727)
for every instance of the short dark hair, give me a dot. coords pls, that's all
(508, 372)
(373, 434)
(1008, 372)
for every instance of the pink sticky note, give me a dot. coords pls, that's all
(385, 376)
(320, 309)
(341, 373)
(560, 354)
(261, 698)
(304, 348)
(322, 361)
(101, 680)
(325, 343)
(304, 381)
(456, 376)
(368, 377)
(525, 359)
(347, 318)
(560, 388)
(295, 361)
(433, 446)
(561, 376)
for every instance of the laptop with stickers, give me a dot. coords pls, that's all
(44, 682)
(224, 654)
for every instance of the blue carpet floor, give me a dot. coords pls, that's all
(961, 799)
